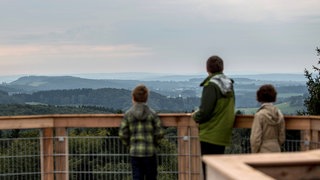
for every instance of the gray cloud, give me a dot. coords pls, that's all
(176, 35)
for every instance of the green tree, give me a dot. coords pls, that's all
(312, 101)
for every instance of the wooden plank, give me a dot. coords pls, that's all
(292, 172)
(87, 122)
(174, 120)
(292, 122)
(261, 166)
(315, 139)
(224, 169)
(113, 120)
(62, 154)
(315, 124)
(297, 122)
(196, 168)
(27, 123)
(278, 159)
(183, 152)
(47, 160)
(305, 136)
(243, 121)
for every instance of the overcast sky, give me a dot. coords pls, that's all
(48, 37)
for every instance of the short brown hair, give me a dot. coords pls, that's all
(140, 93)
(266, 93)
(214, 64)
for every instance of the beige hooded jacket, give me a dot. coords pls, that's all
(268, 130)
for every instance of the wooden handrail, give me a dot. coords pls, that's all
(113, 120)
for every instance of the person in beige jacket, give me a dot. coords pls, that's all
(268, 127)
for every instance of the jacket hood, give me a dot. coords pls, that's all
(140, 111)
(224, 83)
(272, 113)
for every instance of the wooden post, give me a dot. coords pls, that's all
(183, 152)
(47, 163)
(189, 160)
(196, 168)
(305, 140)
(315, 135)
(61, 151)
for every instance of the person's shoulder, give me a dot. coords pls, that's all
(206, 81)
(261, 113)
(151, 110)
(152, 114)
(211, 84)
(128, 112)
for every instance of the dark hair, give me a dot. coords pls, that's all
(266, 93)
(214, 64)
(140, 93)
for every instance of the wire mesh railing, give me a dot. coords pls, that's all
(20, 158)
(90, 157)
(106, 158)
(98, 154)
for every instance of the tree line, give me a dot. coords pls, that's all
(111, 98)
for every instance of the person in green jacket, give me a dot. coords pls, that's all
(216, 113)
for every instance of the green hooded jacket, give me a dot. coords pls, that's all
(216, 113)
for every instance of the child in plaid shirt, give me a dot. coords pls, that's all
(141, 131)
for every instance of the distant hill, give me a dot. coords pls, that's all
(166, 77)
(185, 77)
(8, 79)
(29, 84)
(290, 87)
(174, 86)
(274, 77)
(129, 80)
(42, 83)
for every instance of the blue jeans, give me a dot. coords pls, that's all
(144, 168)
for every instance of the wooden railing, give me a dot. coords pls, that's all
(309, 127)
(56, 126)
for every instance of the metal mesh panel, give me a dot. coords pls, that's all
(97, 158)
(19, 159)
(104, 157)
(97, 153)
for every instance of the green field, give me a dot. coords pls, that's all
(286, 95)
(284, 107)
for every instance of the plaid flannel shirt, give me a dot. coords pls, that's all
(141, 132)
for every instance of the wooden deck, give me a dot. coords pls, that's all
(282, 166)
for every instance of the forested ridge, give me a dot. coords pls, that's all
(165, 96)
(109, 98)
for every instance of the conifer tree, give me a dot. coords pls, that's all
(312, 101)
